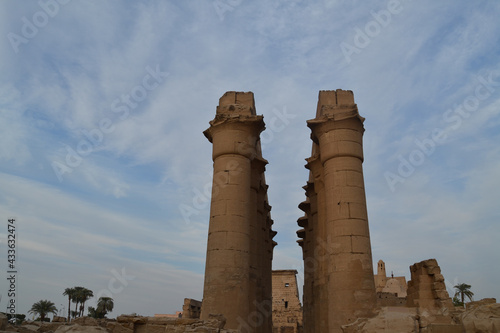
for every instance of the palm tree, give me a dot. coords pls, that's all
(82, 295)
(43, 308)
(105, 305)
(77, 297)
(93, 312)
(463, 289)
(71, 293)
(85, 295)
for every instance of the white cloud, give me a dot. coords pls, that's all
(120, 206)
(14, 132)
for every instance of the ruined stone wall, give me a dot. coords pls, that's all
(287, 310)
(338, 279)
(427, 292)
(481, 316)
(390, 299)
(240, 246)
(427, 289)
(135, 324)
(191, 308)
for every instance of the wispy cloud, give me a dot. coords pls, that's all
(118, 206)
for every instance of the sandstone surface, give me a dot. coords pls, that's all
(3, 322)
(240, 239)
(75, 328)
(389, 319)
(482, 319)
(85, 321)
(338, 271)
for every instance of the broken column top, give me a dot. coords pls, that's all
(331, 102)
(236, 103)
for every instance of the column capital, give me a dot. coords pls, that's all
(236, 115)
(236, 103)
(237, 134)
(345, 120)
(336, 110)
(338, 135)
(252, 124)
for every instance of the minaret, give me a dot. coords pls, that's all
(336, 238)
(381, 268)
(239, 250)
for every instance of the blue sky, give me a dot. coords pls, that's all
(104, 165)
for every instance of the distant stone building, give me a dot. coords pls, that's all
(391, 291)
(287, 310)
(393, 284)
(191, 308)
(178, 314)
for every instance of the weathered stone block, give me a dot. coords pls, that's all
(347, 227)
(85, 321)
(3, 322)
(482, 319)
(361, 244)
(119, 328)
(218, 208)
(444, 328)
(237, 207)
(441, 294)
(357, 210)
(345, 97)
(79, 329)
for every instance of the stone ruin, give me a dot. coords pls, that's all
(427, 288)
(191, 309)
(391, 291)
(338, 270)
(240, 239)
(340, 292)
(287, 310)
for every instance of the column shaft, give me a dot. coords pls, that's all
(227, 276)
(238, 265)
(342, 288)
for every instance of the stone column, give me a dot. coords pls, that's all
(266, 246)
(338, 132)
(320, 254)
(261, 264)
(232, 272)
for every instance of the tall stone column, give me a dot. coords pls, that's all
(345, 278)
(233, 272)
